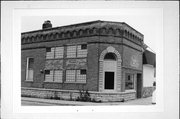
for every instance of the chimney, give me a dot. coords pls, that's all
(47, 24)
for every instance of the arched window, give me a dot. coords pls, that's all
(110, 56)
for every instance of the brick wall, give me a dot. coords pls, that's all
(38, 52)
(93, 67)
(95, 47)
(39, 61)
(132, 58)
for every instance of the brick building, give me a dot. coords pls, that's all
(102, 57)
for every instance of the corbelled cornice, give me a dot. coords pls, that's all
(95, 28)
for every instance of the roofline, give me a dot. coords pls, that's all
(132, 28)
(80, 24)
(71, 25)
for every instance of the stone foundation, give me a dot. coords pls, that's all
(73, 94)
(147, 91)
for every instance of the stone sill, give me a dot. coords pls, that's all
(75, 82)
(29, 80)
(52, 82)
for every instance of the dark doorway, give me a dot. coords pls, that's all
(109, 80)
(139, 85)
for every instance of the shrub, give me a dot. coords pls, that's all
(84, 96)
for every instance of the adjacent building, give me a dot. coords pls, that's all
(149, 72)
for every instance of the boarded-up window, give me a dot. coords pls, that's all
(82, 50)
(70, 75)
(54, 52)
(71, 51)
(50, 53)
(81, 76)
(29, 69)
(49, 75)
(58, 74)
(53, 75)
(76, 76)
(129, 84)
(59, 51)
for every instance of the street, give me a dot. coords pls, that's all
(49, 102)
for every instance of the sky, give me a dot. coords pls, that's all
(146, 21)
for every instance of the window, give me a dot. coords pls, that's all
(48, 75)
(71, 51)
(81, 76)
(83, 46)
(54, 52)
(82, 50)
(70, 75)
(77, 51)
(129, 84)
(50, 53)
(110, 56)
(29, 69)
(58, 74)
(48, 49)
(53, 75)
(47, 71)
(76, 76)
(83, 71)
(59, 51)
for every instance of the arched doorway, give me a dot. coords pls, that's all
(110, 70)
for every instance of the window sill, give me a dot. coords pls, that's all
(29, 80)
(52, 82)
(55, 59)
(130, 90)
(76, 82)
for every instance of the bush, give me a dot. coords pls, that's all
(84, 96)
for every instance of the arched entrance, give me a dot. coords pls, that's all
(110, 70)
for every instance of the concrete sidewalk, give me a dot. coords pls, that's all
(50, 102)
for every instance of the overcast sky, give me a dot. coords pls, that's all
(146, 21)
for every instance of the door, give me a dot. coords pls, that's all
(139, 86)
(109, 75)
(109, 80)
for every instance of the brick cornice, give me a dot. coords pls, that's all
(98, 28)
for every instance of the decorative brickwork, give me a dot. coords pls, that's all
(103, 28)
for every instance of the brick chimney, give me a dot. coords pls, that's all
(47, 24)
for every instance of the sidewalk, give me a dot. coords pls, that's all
(49, 102)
